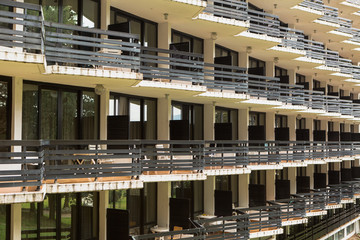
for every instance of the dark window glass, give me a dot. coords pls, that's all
(4, 110)
(196, 44)
(91, 16)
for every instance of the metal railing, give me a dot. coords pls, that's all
(290, 209)
(233, 9)
(29, 32)
(264, 23)
(171, 65)
(292, 38)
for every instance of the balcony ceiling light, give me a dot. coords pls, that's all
(99, 89)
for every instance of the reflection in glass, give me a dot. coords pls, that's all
(90, 16)
(48, 114)
(29, 220)
(150, 119)
(70, 12)
(48, 216)
(3, 110)
(150, 195)
(30, 120)
(69, 115)
(90, 115)
(117, 199)
(3, 221)
(51, 10)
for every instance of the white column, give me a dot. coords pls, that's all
(209, 199)
(336, 126)
(15, 221)
(270, 126)
(310, 173)
(292, 178)
(164, 35)
(243, 193)
(164, 117)
(243, 59)
(209, 50)
(324, 169)
(163, 208)
(356, 128)
(209, 120)
(243, 120)
(270, 185)
(309, 79)
(270, 69)
(292, 127)
(103, 205)
(347, 164)
(324, 126)
(104, 112)
(337, 166)
(347, 127)
(105, 14)
(310, 126)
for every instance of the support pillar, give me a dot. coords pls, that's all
(164, 35)
(270, 185)
(103, 205)
(105, 14)
(15, 221)
(270, 126)
(292, 179)
(310, 173)
(209, 120)
(292, 127)
(164, 117)
(243, 121)
(243, 60)
(243, 192)
(163, 207)
(209, 197)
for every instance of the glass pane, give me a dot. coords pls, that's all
(135, 28)
(3, 110)
(90, 115)
(234, 121)
(68, 208)
(198, 122)
(134, 208)
(198, 46)
(51, 10)
(3, 221)
(150, 203)
(70, 12)
(48, 114)
(90, 16)
(117, 199)
(48, 216)
(150, 125)
(69, 115)
(89, 216)
(222, 183)
(29, 221)
(150, 35)
(176, 112)
(198, 196)
(30, 122)
(135, 119)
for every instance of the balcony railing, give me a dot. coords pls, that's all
(233, 9)
(171, 65)
(290, 209)
(292, 38)
(29, 33)
(28, 163)
(264, 23)
(91, 48)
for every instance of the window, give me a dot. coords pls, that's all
(221, 51)
(227, 115)
(300, 78)
(281, 121)
(282, 174)
(330, 89)
(279, 72)
(331, 126)
(301, 123)
(258, 177)
(256, 63)
(352, 128)
(228, 183)
(59, 112)
(147, 30)
(5, 107)
(256, 119)
(316, 84)
(317, 125)
(196, 44)
(342, 127)
(301, 171)
(5, 222)
(142, 114)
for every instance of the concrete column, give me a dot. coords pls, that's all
(292, 77)
(163, 208)
(105, 14)
(17, 99)
(209, 199)
(324, 85)
(310, 125)
(337, 166)
(104, 112)
(270, 126)
(310, 173)
(209, 120)
(270, 69)
(164, 35)
(243, 193)
(292, 178)
(347, 164)
(356, 163)
(270, 185)
(356, 128)
(324, 168)
(336, 126)
(15, 220)
(292, 127)
(309, 79)
(243, 59)
(347, 127)
(209, 50)
(324, 126)
(103, 205)
(243, 121)
(164, 117)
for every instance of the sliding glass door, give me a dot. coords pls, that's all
(4, 108)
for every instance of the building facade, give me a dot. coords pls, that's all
(179, 119)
